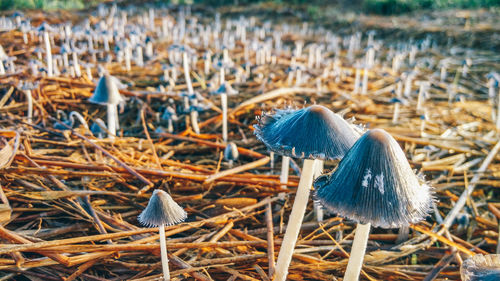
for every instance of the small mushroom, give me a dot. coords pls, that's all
(481, 268)
(162, 210)
(373, 185)
(309, 133)
(106, 93)
(231, 153)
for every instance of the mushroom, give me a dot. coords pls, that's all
(45, 29)
(162, 210)
(481, 268)
(27, 87)
(106, 93)
(231, 153)
(309, 133)
(223, 91)
(373, 185)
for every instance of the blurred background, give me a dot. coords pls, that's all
(384, 7)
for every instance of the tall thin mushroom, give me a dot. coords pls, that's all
(106, 93)
(310, 133)
(373, 185)
(162, 210)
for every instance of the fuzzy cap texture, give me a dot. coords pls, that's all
(162, 209)
(375, 184)
(106, 91)
(311, 132)
(481, 268)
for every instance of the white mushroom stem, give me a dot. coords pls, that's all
(48, 54)
(357, 252)
(164, 257)
(128, 54)
(185, 62)
(295, 220)
(357, 77)
(318, 209)
(395, 116)
(65, 60)
(285, 166)
(223, 101)
(112, 113)
(207, 64)
(29, 99)
(170, 127)
(364, 88)
(2, 68)
(76, 65)
(399, 92)
(89, 72)
(194, 122)
(443, 73)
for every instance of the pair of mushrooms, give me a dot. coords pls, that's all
(373, 183)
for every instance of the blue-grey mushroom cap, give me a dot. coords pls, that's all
(312, 132)
(162, 210)
(481, 268)
(231, 152)
(375, 184)
(106, 91)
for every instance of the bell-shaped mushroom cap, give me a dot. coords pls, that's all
(481, 268)
(106, 91)
(375, 184)
(312, 132)
(162, 209)
(231, 152)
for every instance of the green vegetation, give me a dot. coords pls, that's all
(43, 4)
(384, 7)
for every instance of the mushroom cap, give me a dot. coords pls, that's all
(225, 88)
(311, 132)
(231, 152)
(106, 91)
(375, 184)
(481, 268)
(161, 210)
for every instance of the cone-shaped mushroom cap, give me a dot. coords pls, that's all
(481, 268)
(375, 184)
(231, 152)
(162, 209)
(312, 132)
(106, 91)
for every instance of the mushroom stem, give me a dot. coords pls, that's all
(395, 117)
(112, 112)
(194, 122)
(170, 126)
(364, 88)
(185, 62)
(318, 209)
(223, 101)
(357, 77)
(295, 220)
(29, 99)
(48, 53)
(357, 252)
(163, 249)
(285, 166)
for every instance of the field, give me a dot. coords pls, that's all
(102, 105)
